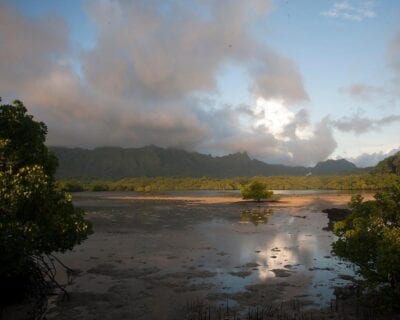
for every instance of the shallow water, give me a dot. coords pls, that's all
(163, 253)
(295, 244)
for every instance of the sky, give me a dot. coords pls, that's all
(288, 81)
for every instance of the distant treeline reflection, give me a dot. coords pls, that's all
(145, 184)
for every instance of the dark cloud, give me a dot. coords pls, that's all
(30, 48)
(360, 124)
(278, 78)
(299, 122)
(149, 56)
(316, 148)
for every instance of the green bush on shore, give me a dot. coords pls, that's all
(369, 237)
(256, 190)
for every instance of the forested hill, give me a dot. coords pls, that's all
(334, 167)
(389, 165)
(152, 161)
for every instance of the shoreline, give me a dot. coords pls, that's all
(314, 200)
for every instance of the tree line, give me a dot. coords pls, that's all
(147, 184)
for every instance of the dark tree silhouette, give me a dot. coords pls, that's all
(36, 219)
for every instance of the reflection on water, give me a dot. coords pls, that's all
(255, 216)
(243, 252)
(289, 250)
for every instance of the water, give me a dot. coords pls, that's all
(286, 243)
(161, 253)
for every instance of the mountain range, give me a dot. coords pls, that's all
(153, 161)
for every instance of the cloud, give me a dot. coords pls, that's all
(388, 93)
(363, 92)
(156, 57)
(276, 77)
(372, 159)
(351, 10)
(151, 78)
(291, 140)
(31, 47)
(359, 124)
(319, 146)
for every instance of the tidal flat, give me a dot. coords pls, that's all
(153, 254)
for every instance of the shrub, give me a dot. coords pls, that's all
(370, 238)
(256, 190)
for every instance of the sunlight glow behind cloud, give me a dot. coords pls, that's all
(153, 73)
(275, 116)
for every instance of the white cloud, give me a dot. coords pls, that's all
(271, 132)
(372, 159)
(356, 10)
(277, 119)
(273, 115)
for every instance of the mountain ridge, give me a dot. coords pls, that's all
(390, 164)
(154, 161)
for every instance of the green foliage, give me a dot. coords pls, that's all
(36, 218)
(71, 186)
(351, 182)
(389, 165)
(100, 187)
(370, 238)
(22, 140)
(256, 190)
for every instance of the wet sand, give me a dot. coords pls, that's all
(151, 255)
(315, 201)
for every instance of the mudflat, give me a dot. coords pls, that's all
(153, 255)
(315, 200)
